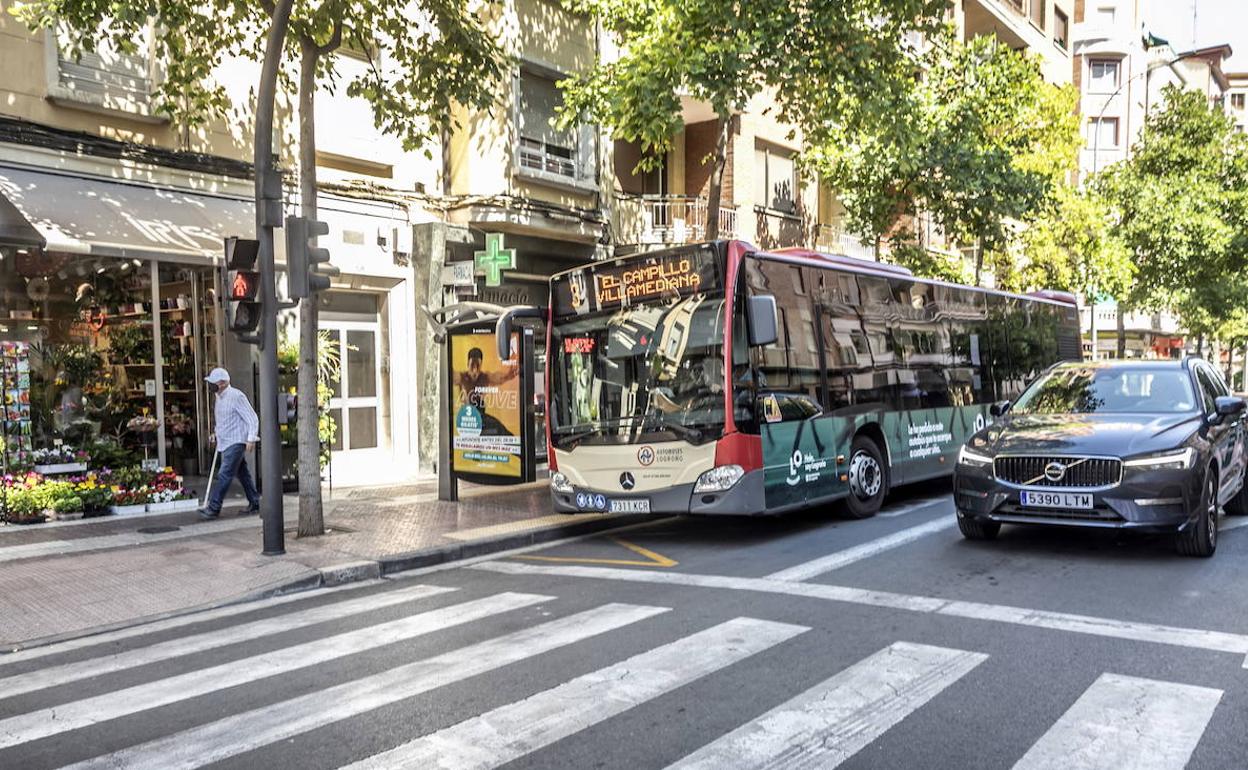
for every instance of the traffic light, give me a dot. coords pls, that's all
(242, 284)
(309, 266)
(287, 407)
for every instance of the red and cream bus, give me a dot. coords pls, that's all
(722, 379)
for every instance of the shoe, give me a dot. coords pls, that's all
(251, 509)
(204, 513)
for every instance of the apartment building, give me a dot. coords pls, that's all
(1039, 27)
(1237, 99)
(111, 229)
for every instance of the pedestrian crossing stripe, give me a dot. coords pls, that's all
(249, 730)
(510, 732)
(131, 700)
(187, 645)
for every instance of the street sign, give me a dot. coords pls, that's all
(495, 259)
(459, 274)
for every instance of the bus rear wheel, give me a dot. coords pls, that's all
(868, 481)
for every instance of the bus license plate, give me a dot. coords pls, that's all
(1064, 500)
(630, 506)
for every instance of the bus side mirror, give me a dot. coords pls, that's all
(764, 330)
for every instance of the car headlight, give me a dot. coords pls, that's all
(560, 483)
(719, 479)
(967, 457)
(1168, 461)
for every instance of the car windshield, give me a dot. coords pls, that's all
(650, 368)
(1080, 390)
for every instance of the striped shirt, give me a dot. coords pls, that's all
(237, 422)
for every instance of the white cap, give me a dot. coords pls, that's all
(218, 375)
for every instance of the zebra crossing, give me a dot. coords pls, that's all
(1117, 721)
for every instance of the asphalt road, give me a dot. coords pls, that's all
(807, 641)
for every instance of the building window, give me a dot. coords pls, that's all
(1237, 101)
(105, 78)
(1037, 13)
(777, 187)
(1105, 15)
(1061, 29)
(1103, 75)
(543, 149)
(1103, 134)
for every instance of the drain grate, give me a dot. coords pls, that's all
(157, 530)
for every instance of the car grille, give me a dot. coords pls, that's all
(1080, 471)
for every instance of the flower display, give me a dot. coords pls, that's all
(142, 423)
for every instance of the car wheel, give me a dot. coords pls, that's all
(1238, 505)
(978, 529)
(868, 480)
(1201, 539)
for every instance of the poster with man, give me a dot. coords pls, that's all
(487, 409)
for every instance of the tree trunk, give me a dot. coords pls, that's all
(715, 193)
(979, 263)
(1122, 332)
(1200, 345)
(1230, 365)
(311, 513)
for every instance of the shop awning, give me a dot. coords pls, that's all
(82, 215)
(15, 230)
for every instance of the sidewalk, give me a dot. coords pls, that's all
(69, 579)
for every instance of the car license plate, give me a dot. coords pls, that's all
(630, 506)
(1064, 500)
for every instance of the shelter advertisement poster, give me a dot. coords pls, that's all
(487, 408)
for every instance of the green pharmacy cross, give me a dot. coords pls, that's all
(495, 259)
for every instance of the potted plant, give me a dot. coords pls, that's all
(60, 460)
(68, 508)
(129, 502)
(20, 506)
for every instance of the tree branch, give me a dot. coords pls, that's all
(335, 40)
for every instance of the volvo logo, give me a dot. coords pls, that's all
(1055, 471)
(627, 481)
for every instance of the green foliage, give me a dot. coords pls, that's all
(822, 60)
(929, 264)
(979, 141)
(1070, 246)
(417, 72)
(1180, 204)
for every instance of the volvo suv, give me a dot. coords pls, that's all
(1143, 445)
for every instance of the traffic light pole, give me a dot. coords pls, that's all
(269, 216)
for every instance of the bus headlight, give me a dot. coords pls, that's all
(560, 483)
(718, 479)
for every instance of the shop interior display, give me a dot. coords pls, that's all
(99, 360)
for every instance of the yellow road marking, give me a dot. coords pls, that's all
(652, 559)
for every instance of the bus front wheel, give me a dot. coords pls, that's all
(868, 481)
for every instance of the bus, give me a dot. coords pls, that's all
(719, 378)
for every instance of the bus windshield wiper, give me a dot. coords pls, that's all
(655, 419)
(584, 430)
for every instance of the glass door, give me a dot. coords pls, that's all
(355, 403)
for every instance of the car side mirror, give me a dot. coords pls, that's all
(1228, 406)
(764, 329)
(999, 408)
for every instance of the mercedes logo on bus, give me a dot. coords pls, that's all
(627, 481)
(1054, 471)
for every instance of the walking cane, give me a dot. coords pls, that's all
(212, 469)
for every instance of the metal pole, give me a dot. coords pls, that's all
(268, 216)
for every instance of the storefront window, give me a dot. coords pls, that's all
(103, 363)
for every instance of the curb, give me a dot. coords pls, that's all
(350, 572)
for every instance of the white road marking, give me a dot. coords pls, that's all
(832, 561)
(112, 705)
(1234, 522)
(837, 718)
(1217, 641)
(911, 507)
(187, 645)
(189, 619)
(1122, 721)
(122, 539)
(250, 730)
(512, 731)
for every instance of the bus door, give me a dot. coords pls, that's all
(795, 455)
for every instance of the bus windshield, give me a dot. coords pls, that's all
(624, 376)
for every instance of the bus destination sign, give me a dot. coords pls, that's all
(631, 282)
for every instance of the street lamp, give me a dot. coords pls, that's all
(1096, 140)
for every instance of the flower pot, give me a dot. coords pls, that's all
(67, 516)
(128, 510)
(173, 506)
(49, 470)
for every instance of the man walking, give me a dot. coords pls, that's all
(238, 429)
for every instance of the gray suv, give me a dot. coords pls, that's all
(1143, 445)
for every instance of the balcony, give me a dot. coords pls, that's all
(834, 240)
(667, 220)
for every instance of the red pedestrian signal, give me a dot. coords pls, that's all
(243, 286)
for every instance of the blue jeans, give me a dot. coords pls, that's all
(233, 462)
